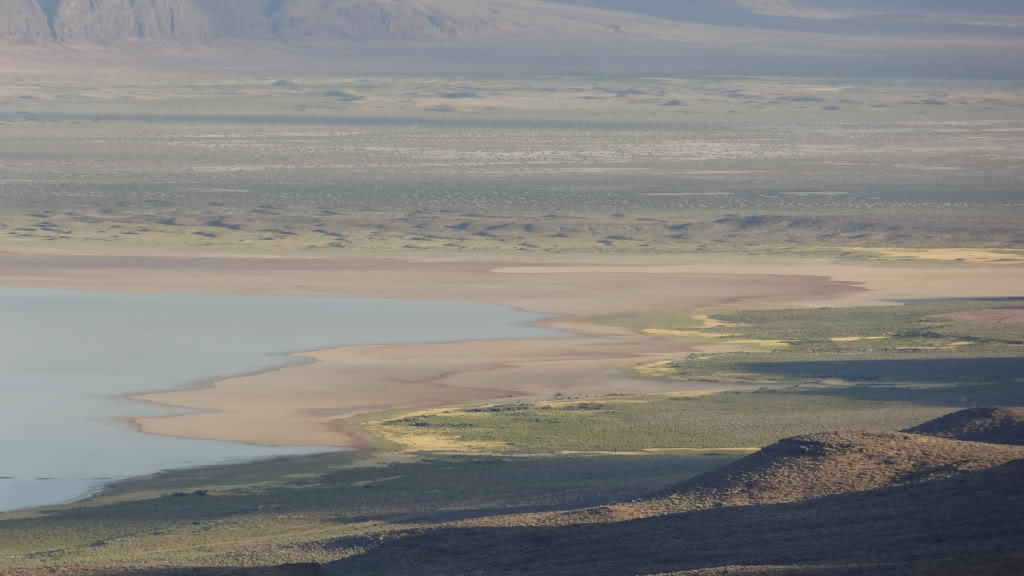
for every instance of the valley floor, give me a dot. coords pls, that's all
(602, 302)
(445, 425)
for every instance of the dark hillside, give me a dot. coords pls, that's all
(831, 503)
(993, 425)
(809, 467)
(818, 465)
(968, 523)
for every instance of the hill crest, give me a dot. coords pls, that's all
(799, 469)
(817, 465)
(967, 523)
(994, 425)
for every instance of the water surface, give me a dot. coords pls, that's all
(67, 360)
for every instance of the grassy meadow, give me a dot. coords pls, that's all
(726, 420)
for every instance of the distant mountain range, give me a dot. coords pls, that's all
(709, 36)
(112, 22)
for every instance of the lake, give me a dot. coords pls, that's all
(68, 360)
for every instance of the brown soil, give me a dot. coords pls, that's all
(819, 465)
(993, 425)
(1002, 316)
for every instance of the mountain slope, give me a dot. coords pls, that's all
(640, 36)
(23, 21)
(821, 15)
(104, 22)
(110, 21)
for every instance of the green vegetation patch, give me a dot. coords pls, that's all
(959, 342)
(738, 419)
(917, 319)
(880, 367)
(301, 519)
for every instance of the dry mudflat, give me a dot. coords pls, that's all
(590, 298)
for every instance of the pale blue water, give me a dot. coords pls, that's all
(67, 360)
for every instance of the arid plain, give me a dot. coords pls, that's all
(713, 252)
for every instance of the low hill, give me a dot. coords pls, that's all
(830, 503)
(967, 523)
(846, 503)
(819, 465)
(803, 468)
(992, 425)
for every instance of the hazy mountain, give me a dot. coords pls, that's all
(711, 36)
(105, 22)
(23, 21)
(111, 21)
(870, 17)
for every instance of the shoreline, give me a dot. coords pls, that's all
(335, 357)
(296, 359)
(581, 296)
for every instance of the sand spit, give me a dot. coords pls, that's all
(297, 405)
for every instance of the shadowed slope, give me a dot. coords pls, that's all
(964, 524)
(302, 569)
(797, 469)
(832, 503)
(818, 465)
(994, 425)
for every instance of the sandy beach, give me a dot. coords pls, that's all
(589, 297)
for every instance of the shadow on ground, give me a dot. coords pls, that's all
(901, 530)
(939, 370)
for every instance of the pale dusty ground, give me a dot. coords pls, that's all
(364, 379)
(296, 405)
(952, 255)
